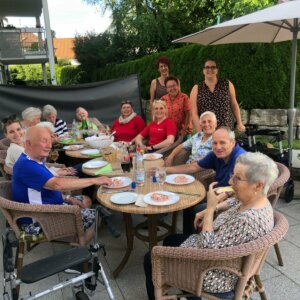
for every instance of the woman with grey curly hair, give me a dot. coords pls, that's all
(50, 115)
(31, 116)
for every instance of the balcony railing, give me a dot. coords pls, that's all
(22, 43)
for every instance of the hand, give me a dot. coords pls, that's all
(66, 171)
(212, 198)
(74, 201)
(103, 180)
(198, 221)
(241, 127)
(169, 161)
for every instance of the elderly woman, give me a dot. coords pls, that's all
(128, 125)
(93, 123)
(31, 116)
(50, 115)
(240, 219)
(161, 132)
(178, 105)
(200, 143)
(216, 95)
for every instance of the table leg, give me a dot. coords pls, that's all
(174, 222)
(152, 231)
(129, 236)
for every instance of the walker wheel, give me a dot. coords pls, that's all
(81, 296)
(289, 191)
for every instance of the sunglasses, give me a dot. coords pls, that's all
(9, 118)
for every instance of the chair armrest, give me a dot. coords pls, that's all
(167, 150)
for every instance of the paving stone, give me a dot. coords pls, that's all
(291, 211)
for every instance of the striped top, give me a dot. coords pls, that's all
(60, 127)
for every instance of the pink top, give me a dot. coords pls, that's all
(127, 132)
(158, 132)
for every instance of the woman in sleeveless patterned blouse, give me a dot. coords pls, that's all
(240, 219)
(216, 95)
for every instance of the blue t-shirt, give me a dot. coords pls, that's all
(29, 180)
(223, 170)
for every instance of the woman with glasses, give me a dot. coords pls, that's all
(161, 132)
(216, 95)
(178, 105)
(128, 125)
(240, 219)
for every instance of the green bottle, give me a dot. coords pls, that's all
(84, 128)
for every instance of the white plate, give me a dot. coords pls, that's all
(124, 198)
(126, 181)
(173, 198)
(90, 151)
(170, 179)
(152, 156)
(73, 147)
(95, 164)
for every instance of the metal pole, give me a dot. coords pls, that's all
(49, 42)
(291, 114)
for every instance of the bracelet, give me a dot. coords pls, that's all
(152, 148)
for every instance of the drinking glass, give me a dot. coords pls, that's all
(125, 162)
(161, 177)
(54, 155)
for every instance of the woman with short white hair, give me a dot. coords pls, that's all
(50, 114)
(31, 116)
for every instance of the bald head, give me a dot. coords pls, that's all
(38, 142)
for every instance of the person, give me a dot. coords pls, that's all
(221, 159)
(216, 95)
(240, 219)
(200, 143)
(93, 123)
(33, 183)
(128, 125)
(31, 116)
(158, 87)
(50, 115)
(14, 132)
(178, 105)
(161, 132)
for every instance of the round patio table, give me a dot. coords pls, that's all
(190, 195)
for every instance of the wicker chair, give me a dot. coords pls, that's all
(4, 143)
(274, 194)
(204, 176)
(57, 221)
(3, 168)
(184, 268)
(167, 150)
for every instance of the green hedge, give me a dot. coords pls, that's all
(260, 72)
(70, 75)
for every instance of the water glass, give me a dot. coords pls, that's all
(161, 177)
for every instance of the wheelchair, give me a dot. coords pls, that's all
(82, 262)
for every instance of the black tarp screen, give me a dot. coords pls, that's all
(101, 99)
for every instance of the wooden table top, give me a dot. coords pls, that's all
(77, 154)
(117, 171)
(185, 200)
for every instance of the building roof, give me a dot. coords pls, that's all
(64, 48)
(29, 38)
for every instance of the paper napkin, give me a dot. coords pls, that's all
(104, 170)
(140, 201)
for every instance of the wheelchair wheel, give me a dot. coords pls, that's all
(289, 191)
(81, 296)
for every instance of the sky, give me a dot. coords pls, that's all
(68, 17)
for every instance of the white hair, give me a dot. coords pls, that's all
(260, 167)
(208, 113)
(48, 125)
(48, 110)
(30, 112)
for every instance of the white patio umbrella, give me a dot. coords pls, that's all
(277, 23)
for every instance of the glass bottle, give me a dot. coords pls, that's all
(84, 128)
(139, 168)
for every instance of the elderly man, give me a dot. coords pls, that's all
(222, 158)
(31, 116)
(33, 183)
(200, 143)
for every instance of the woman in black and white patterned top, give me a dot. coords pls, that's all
(50, 114)
(240, 219)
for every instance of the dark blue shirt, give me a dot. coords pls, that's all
(223, 170)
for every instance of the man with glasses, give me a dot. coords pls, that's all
(221, 159)
(217, 95)
(178, 105)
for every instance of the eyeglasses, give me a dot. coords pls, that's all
(9, 118)
(213, 68)
(235, 179)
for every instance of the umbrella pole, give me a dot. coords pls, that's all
(292, 110)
